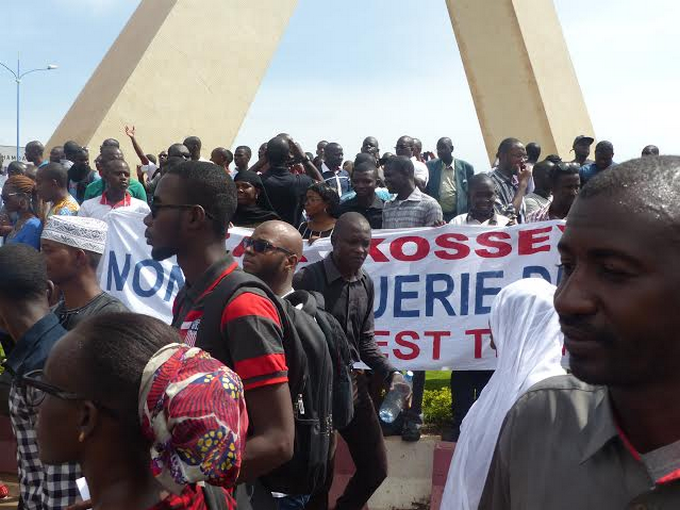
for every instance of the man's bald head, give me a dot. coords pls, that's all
(273, 253)
(349, 223)
(281, 234)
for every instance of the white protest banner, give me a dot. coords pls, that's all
(434, 286)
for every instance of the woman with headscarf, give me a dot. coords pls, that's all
(526, 334)
(253, 204)
(20, 197)
(145, 417)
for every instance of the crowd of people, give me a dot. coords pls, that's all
(210, 411)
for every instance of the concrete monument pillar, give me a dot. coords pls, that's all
(179, 68)
(520, 74)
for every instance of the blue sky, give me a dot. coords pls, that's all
(347, 69)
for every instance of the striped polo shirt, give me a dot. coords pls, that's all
(250, 325)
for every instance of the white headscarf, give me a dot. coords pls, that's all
(528, 342)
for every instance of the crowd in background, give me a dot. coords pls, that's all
(127, 399)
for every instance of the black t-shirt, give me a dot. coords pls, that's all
(103, 303)
(286, 192)
(373, 213)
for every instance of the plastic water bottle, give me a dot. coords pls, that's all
(394, 401)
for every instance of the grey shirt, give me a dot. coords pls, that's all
(103, 303)
(559, 448)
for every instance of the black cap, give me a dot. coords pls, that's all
(583, 138)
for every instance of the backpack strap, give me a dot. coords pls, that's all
(209, 334)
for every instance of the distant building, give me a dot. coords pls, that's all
(8, 153)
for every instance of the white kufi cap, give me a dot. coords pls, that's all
(88, 234)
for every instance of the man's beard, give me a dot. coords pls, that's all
(163, 253)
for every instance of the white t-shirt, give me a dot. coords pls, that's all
(466, 219)
(421, 171)
(99, 207)
(149, 170)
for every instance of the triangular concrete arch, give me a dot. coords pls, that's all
(165, 68)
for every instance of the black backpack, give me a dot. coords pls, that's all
(343, 402)
(309, 381)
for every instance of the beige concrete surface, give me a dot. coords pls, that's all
(521, 76)
(409, 480)
(179, 67)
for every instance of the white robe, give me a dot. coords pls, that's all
(528, 341)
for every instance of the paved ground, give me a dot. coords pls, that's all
(11, 481)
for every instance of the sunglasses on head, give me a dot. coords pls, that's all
(262, 246)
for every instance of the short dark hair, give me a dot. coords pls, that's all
(328, 195)
(366, 168)
(246, 149)
(507, 144)
(23, 274)
(35, 145)
(111, 372)
(278, 151)
(604, 145)
(57, 172)
(209, 186)
(71, 148)
(192, 140)
(562, 169)
(364, 158)
(152, 158)
(16, 168)
(533, 151)
(478, 179)
(225, 153)
(402, 164)
(110, 142)
(553, 158)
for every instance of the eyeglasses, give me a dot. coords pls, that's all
(262, 246)
(35, 381)
(157, 207)
(40, 388)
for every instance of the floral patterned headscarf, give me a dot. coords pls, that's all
(193, 410)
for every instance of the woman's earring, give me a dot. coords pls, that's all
(81, 437)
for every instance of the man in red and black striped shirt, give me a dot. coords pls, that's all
(192, 207)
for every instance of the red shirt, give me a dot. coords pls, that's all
(250, 325)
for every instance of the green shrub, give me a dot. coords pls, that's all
(437, 407)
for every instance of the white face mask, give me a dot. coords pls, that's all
(14, 216)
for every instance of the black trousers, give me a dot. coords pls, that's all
(366, 446)
(466, 385)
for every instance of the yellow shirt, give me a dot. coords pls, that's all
(447, 189)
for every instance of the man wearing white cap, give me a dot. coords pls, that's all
(73, 246)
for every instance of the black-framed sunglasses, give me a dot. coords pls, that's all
(157, 207)
(40, 388)
(262, 246)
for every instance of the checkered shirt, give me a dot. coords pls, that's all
(42, 486)
(505, 193)
(418, 210)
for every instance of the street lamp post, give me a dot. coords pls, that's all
(18, 75)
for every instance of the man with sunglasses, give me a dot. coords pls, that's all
(25, 314)
(191, 210)
(272, 254)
